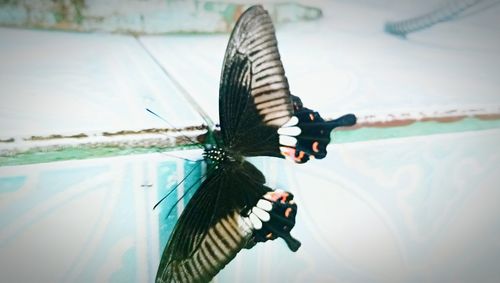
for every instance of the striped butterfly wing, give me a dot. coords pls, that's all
(258, 115)
(211, 231)
(254, 98)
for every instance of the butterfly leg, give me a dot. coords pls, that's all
(274, 216)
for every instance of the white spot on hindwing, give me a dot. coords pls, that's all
(287, 140)
(265, 205)
(292, 122)
(262, 214)
(258, 215)
(289, 131)
(256, 223)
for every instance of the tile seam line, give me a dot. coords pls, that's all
(13, 163)
(190, 99)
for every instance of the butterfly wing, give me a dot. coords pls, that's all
(258, 115)
(254, 99)
(306, 134)
(210, 230)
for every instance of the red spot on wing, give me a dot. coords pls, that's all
(287, 151)
(301, 155)
(284, 196)
(315, 146)
(292, 154)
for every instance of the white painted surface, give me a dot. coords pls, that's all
(418, 209)
(403, 210)
(64, 83)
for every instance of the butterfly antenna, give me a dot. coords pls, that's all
(182, 158)
(195, 142)
(187, 191)
(178, 85)
(176, 186)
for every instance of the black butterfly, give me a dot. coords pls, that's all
(232, 208)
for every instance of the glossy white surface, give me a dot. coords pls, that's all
(65, 83)
(418, 209)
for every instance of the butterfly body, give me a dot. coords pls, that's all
(233, 208)
(216, 156)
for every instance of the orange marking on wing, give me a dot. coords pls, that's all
(283, 197)
(301, 155)
(272, 196)
(269, 236)
(287, 151)
(287, 212)
(315, 146)
(311, 116)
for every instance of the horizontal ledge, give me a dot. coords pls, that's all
(28, 150)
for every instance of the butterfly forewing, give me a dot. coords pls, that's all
(254, 98)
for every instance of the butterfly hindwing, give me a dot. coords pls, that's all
(306, 135)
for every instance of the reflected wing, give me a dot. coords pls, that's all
(209, 232)
(254, 99)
